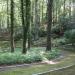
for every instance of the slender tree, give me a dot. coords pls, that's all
(28, 4)
(37, 20)
(29, 32)
(29, 38)
(42, 11)
(49, 17)
(23, 25)
(25, 22)
(8, 14)
(73, 2)
(12, 26)
(70, 9)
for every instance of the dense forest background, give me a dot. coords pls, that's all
(37, 36)
(35, 23)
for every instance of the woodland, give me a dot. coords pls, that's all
(37, 37)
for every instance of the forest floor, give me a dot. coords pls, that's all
(66, 59)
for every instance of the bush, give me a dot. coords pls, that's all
(56, 33)
(70, 36)
(42, 32)
(62, 41)
(18, 58)
(52, 54)
(56, 29)
(32, 56)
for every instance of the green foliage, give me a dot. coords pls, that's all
(61, 41)
(52, 54)
(56, 29)
(70, 36)
(32, 56)
(18, 58)
(63, 21)
(42, 32)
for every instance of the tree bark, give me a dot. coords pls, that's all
(12, 26)
(8, 14)
(25, 22)
(37, 20)
(49, 17)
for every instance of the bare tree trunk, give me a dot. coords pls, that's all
(70, 9)
(37, 20)
(29, 38)
(23, 25)
(25, 22)
(12, 26)
(49, 16)
(42, 11)
(8, 14)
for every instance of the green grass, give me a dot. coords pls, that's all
(28, 71)
(68, 71)
(69, 60)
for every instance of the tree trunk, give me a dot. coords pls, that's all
(8, 14)
(12, 26)
(70, 9)
(29, 38)
(28, 4)
(42, 11)
(23, 25)
(37, 20)
(25, 22)
(49, 17)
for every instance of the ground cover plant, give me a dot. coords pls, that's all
(32, 56)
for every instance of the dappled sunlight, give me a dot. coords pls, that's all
(37, 36)
(51, 62)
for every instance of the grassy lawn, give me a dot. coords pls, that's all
(68, 71)
(68, 60)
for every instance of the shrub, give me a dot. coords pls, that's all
(56, 29)
(52, 54)
(18, 58)
(35, 55)
(42, 33)
(70, 36)
(61, 41)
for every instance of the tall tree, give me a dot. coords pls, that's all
(37, 20)
(42, 11)
(49, 23)
(25, 22)
(28, 7)
(73, 9)
(8, 14)
(29, 38)
(12, 26)
(70, 9)
(29, 22)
